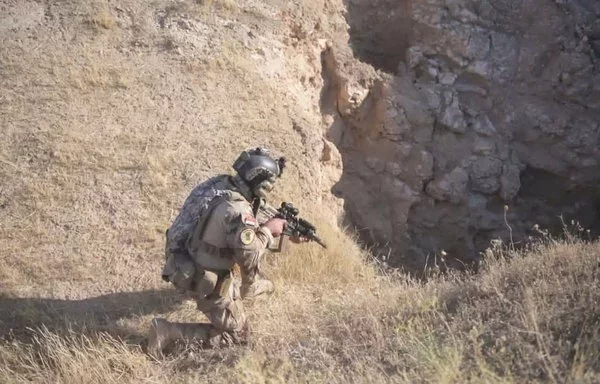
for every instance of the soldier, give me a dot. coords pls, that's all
(216, 229)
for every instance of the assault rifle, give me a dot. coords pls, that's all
(296, 226)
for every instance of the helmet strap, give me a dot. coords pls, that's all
(256, 205)
(243, 187)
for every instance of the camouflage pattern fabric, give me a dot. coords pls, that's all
(215, 230)
(193, 207)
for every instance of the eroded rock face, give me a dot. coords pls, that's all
(480, 104)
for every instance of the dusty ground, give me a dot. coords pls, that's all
(110, 113)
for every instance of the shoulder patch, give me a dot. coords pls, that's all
(250, 220)
(247, 236)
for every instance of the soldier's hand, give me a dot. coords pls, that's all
(276, 226)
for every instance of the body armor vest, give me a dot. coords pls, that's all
(187, 255)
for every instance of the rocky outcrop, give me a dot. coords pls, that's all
(476, 105)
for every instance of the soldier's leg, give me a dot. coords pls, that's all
(261, 286)
(224, 309)
(163, 333)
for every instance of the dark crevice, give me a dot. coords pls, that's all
(379, 32)
(550, 201)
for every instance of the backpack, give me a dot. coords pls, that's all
(196, 207)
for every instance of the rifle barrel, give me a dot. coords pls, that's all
(319, 241)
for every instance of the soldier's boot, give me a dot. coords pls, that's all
(163, 333)
(259, 287)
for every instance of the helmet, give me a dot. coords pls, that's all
(259, 170)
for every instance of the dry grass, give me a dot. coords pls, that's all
(103, 18)
(105, 131)
(531, 319)
(75, 359)
(229, 5)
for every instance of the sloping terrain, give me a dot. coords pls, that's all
(110, 113)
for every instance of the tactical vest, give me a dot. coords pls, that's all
(210, 253)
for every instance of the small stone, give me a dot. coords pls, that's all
(482, 68)
(453, 118)
(447, 78)
(483, 126)
(485, 175)
(377, 165)
(414, 56)
(484, 146)
(398, 190)
(423, 164)
(433, 72)
(415, 112)
(478, 46)
(404, 150)
(565, 78)
(589, 162)
(450, 187)
(328, 120)
(393, 168)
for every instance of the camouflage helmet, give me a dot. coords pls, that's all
(258, 169)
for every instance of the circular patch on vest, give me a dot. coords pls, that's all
(247, 236)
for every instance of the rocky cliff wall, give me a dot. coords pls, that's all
(476, 106)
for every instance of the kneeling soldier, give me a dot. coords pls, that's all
(216, 229)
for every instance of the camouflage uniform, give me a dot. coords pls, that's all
(215, 230)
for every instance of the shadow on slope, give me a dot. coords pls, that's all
(20, 316)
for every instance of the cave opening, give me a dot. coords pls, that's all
(552, 202)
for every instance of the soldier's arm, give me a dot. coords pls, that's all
(248, 240)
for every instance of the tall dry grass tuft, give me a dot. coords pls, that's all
(342, 263)
(75, 358)
(101, 16)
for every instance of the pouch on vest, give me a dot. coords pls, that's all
(179, 269)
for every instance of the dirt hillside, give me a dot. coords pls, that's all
(112, 113)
